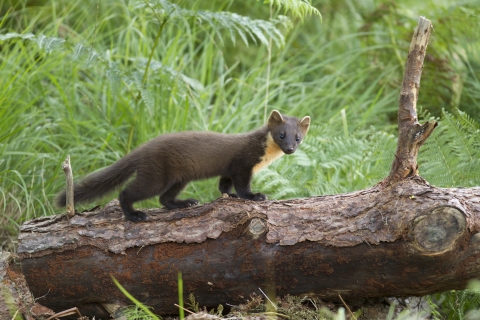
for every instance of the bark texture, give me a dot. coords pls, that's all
(408, 239)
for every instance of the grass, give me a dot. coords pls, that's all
(94, 79)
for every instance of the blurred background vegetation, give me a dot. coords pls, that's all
(94, 79)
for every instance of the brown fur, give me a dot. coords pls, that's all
(164, 165)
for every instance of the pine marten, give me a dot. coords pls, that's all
(164, 165)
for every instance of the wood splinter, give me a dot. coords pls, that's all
(67, 168)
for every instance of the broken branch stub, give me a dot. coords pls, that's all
(411, 133)
(67, 168)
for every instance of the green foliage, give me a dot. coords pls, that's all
(298, 8)
(145, 312)
(235, 24)
(331, 162)
(136, 313)
(181, 311)
(193, 305)
(289, 307)
(452, 152)
(456, 304)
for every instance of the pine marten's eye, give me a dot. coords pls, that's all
(282, 136)
(297, 139)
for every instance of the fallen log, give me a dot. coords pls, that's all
(402, 237)
(410, 239)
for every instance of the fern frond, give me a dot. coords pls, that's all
(278, 185)
(147, 98)
(157, 66)
(470, 125)
(233, 23)
(460, 140)
(440, 167)
(452, 152)
(14, 35)
(298, 8)
(88, 55)
(52, 44)
(379, 154)
(114, 78)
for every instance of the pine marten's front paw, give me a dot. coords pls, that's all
(136, 216)
(259, 197)
(178, 204)
(191, 202)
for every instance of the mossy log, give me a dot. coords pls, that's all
(402, 237)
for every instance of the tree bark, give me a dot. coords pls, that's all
(401, 237)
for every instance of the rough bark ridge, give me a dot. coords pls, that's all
(401, 237)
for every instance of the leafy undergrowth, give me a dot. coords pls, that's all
(301, 308)
(259, 307)
(462, 305)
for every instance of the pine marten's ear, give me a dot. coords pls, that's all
(275, 119)
(305, 124)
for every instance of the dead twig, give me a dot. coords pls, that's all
(65, 313)
(346, 306)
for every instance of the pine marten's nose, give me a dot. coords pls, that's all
(290, 150)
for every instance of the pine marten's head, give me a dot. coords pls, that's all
(287, 132)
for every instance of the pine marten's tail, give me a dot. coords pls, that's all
(99, 183)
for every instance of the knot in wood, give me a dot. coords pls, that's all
(257, 226)
(438, 230)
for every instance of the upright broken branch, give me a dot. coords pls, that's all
(67, 168)
(411, 133)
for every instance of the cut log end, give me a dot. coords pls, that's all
(439, 230)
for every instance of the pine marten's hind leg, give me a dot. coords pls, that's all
(169, 197)
(141, 188)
